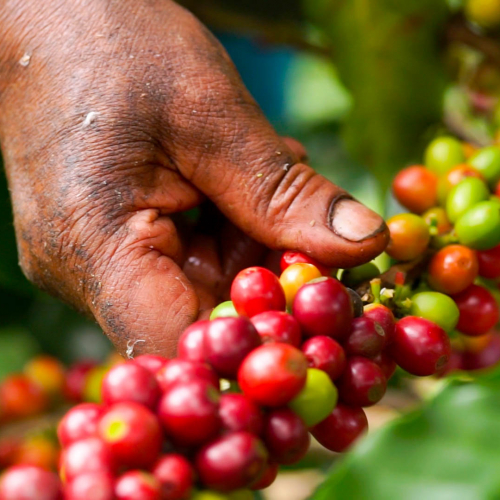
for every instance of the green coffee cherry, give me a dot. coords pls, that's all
(479, 227)
(443, 153)
(487, 162)
(317, 399)
(464, 196)
(436, 307)
(224, 310)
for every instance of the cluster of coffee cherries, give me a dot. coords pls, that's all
(287, 357)
(31, 399)
(454, 232)
(44, 384)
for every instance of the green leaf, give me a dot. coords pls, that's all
(388, 55)
(447, 450)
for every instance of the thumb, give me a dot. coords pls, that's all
(259, 183)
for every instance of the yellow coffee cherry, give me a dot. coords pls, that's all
(296, 275)
(484, 13)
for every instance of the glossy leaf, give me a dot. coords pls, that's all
(447, 450)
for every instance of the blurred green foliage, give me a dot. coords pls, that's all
(387, 54)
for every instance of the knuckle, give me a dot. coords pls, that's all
(293, 187)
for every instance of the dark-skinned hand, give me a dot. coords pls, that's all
(115, 117)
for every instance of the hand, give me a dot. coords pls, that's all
(117, 116)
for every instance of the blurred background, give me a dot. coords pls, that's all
(364, 85)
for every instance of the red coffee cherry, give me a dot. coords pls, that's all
(273, 374)
(256, 290)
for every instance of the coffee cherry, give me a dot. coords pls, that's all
(363, 382)
(20, 397)
(473, 344)
(92, 391)
(420, 346)
(90, 486)
(86, 456)
(9, 447)
(137, 485)
(479, 227)
(286, 436)
(226, 343)
(452, 269)
(37, 450)
(341, 428)
(48, 373)
(484, 13)
(486, 357)
(324, 307)
(224, 310)
(277, 326)
(385, 361)
(151, 362)
(294, 277)
(76, 378)
(132, 433)
(25, 482)
(130, 382)
(442, 154)
(468, 193)
(175, 475)
(267, 477)
(288, 258)
(184, 370)
(409, 236)
(239, 413)
(79, 422)
(255, 290)
(416, 188)
(191, 344)
(437, 217)
(317, 398)
(489, 263)
(325, 354)
(232, 461)
(487, 162)
(469, 149)
(435, 307)
(453, 177)
(273, 374)
(479, 311)
(384, 317)
(454, 364)
(367, 338)
(189, 412)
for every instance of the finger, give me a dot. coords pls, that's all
(230, 152)
(284, 204)
(215, 260)
(144, 300)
